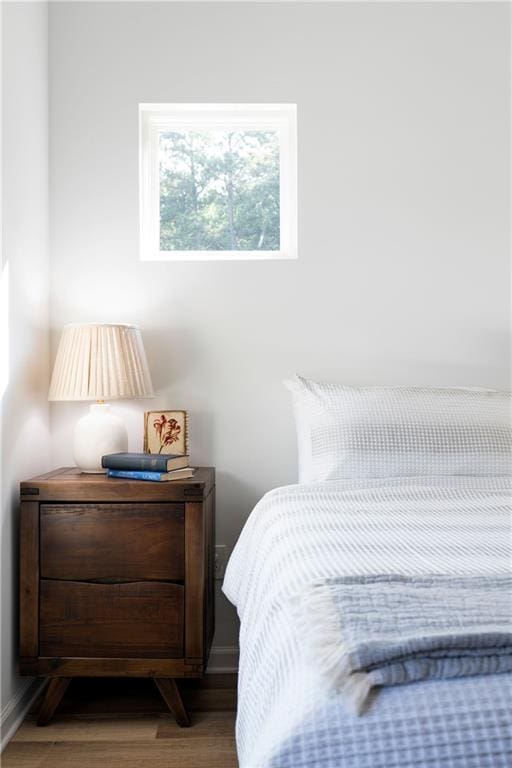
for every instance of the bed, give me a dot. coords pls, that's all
(307, 533)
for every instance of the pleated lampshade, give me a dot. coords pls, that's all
(102, 361)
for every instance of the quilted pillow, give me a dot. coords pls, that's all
(368, 432)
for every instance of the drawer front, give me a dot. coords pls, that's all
(135, 620)
(112, 541)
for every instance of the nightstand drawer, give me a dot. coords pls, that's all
(134, 620)
(112, 541)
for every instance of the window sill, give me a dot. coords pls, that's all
(218, 256)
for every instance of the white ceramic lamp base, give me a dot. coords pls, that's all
(98, 433)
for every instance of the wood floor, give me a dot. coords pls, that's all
(125, 724)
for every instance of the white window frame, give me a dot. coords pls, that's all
(157, 118)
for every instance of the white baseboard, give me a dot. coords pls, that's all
(223, 659)
(14, 712)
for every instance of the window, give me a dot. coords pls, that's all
(218, 181)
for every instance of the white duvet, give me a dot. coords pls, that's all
(301, 535)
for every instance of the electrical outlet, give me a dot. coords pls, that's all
(221, 558)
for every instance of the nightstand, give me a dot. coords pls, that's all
(116, 580)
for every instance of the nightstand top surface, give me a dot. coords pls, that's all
(69, 484)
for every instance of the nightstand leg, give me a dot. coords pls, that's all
(52, 698)
(172, 697)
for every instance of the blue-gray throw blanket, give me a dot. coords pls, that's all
(369, 631)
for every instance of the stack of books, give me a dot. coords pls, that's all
(147, 466)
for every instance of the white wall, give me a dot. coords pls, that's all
(25, 442)
(402, 276)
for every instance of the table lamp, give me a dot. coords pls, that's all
(100, 361)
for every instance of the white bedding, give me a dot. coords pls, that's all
(348, 432)
(300, 535)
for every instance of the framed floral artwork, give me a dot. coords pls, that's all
(166, 432)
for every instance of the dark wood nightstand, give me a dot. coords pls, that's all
(116, 580)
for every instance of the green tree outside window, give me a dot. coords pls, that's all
(219, 191)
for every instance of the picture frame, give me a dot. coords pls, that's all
(166, 432)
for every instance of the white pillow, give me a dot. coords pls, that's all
(365, 432)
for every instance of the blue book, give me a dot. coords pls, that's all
(144, 462)
(155, 477)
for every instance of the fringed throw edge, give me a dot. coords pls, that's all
(322, 632)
